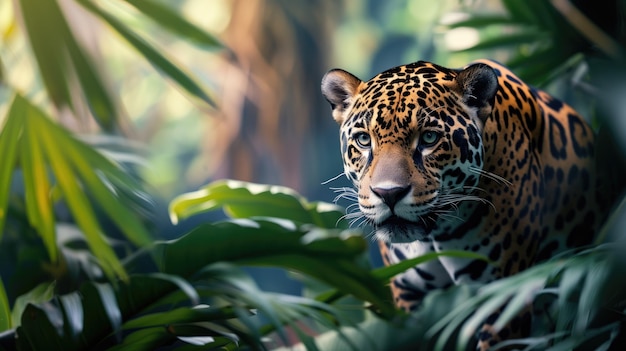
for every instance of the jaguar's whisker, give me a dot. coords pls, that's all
(490, 175)
(332, 179)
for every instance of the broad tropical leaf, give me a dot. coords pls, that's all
(40, 294)
(244, 200)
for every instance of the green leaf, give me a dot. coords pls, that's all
(234, 241)
(172, 21)
(145, 339)
(55, 49)
(220, 330)
(41, 328)
(543, 66)
(37, 190)
(87, 162)
(142, 293)
(245, 200)
(39, 294)
(182, 284)
(480, 21)
(73, 310)
(334, 272)
(195, 334)
(268, 243)
(5, 309)
(79, 170)
(111, 307)
(308, 341)
(388, 272)
(348, 243)
(45, 149)
(535, 58)
(99, 100)
(545, 16)
(588, 303)
(521, 11)
(453, 320)
(569, 289)
(373, 334)
(516, 290)
(105, 309)
(519, 301)
(181, 315)
(44, 22)
(489, 299)
(572, 342)
(54, 141)
(144, 302)
(508, 40)
(9, 140)
(162, 63)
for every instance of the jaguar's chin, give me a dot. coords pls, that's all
(399, 230)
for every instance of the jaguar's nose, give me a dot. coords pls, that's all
(392, 195)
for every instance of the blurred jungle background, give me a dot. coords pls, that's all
(112, 109)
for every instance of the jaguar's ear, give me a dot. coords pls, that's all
(339, 87)
(478, 85)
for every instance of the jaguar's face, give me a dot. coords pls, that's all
(411, 143)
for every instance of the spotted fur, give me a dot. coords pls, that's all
(471, 159)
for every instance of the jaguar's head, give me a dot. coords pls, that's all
(411, 142)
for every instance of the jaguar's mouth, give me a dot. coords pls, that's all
(397, 229)
(394, 220)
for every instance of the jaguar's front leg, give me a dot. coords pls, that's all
(518, 327)
(409, 288)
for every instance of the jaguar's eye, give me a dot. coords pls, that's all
(429, 138)
(363, 140)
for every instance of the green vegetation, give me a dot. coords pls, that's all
(87, 263)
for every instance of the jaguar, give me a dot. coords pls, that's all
(469, 159)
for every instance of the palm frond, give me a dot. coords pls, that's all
(541, 37)
(59, 55)
(50, 157)
(150, 53)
